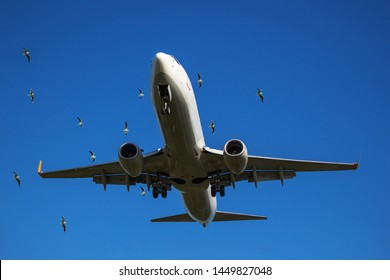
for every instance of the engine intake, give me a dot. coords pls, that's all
(235, 156)
(131, 159)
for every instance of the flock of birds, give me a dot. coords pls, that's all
(212, 124)
(125, 129)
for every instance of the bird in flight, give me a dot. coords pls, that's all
(93, 157)
(63, 223)
(80, 123)
(212, 126)
(141, 93)
(32, 95)
(17, 178)
(126, 129)
(27, 54)
(143, 193)
(260, 94)
(200, 81)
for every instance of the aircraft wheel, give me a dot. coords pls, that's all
(164, 192)
(155, 192)
(213, 191)
(222, 191)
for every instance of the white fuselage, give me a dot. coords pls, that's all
(183, 136)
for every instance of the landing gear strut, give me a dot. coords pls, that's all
(166, 109)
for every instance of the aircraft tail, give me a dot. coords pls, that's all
(219, 217)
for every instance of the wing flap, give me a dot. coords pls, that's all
(120, 179)
(225, 179)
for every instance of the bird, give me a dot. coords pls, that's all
(80, 123)
(200, 81)
(93, 157)
(141, 93)
(27, 54)
(260, 94)
(63, 223)
(32, 95)
(126, 129)
(212, 126)
(143, 193)
(17, 178)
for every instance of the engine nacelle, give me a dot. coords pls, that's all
(131, 159)
(235, 156)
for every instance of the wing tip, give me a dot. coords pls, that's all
(39, 170)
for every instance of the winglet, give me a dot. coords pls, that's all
(356, 164)
(39, 168)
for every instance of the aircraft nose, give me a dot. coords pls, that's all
(160, 56)
(159, 62)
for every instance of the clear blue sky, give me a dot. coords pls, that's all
(324, 71)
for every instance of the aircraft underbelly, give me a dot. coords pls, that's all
(201, 206)
(184, 141)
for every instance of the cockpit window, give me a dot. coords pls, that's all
(175, 59)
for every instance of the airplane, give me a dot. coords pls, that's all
(185, 162)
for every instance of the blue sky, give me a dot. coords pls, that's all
(324, 71)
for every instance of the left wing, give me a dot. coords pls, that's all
(155, 169)
(265, 168)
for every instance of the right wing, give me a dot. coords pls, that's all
(155, 169)
(264, 168)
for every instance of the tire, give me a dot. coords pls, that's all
(222, 191)
(213, 191)
(155, 192)
(164, 192)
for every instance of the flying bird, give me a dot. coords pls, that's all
(31, 94)
(63, 223)
(141, 93)
(212, 126)
(80, 123)
(143, 193)
(93, 157)
(126, 129)
(260, 94)
(17, 178)
(200, 81)
(27, 54)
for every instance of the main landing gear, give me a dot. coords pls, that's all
(217, 188)
(161, 189)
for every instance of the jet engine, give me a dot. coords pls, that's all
(235, 156)
(131, 159)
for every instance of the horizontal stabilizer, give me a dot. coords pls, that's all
(219, 217)
(227, 216)
(175, 218)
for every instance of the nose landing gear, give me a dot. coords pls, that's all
(165, 96)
